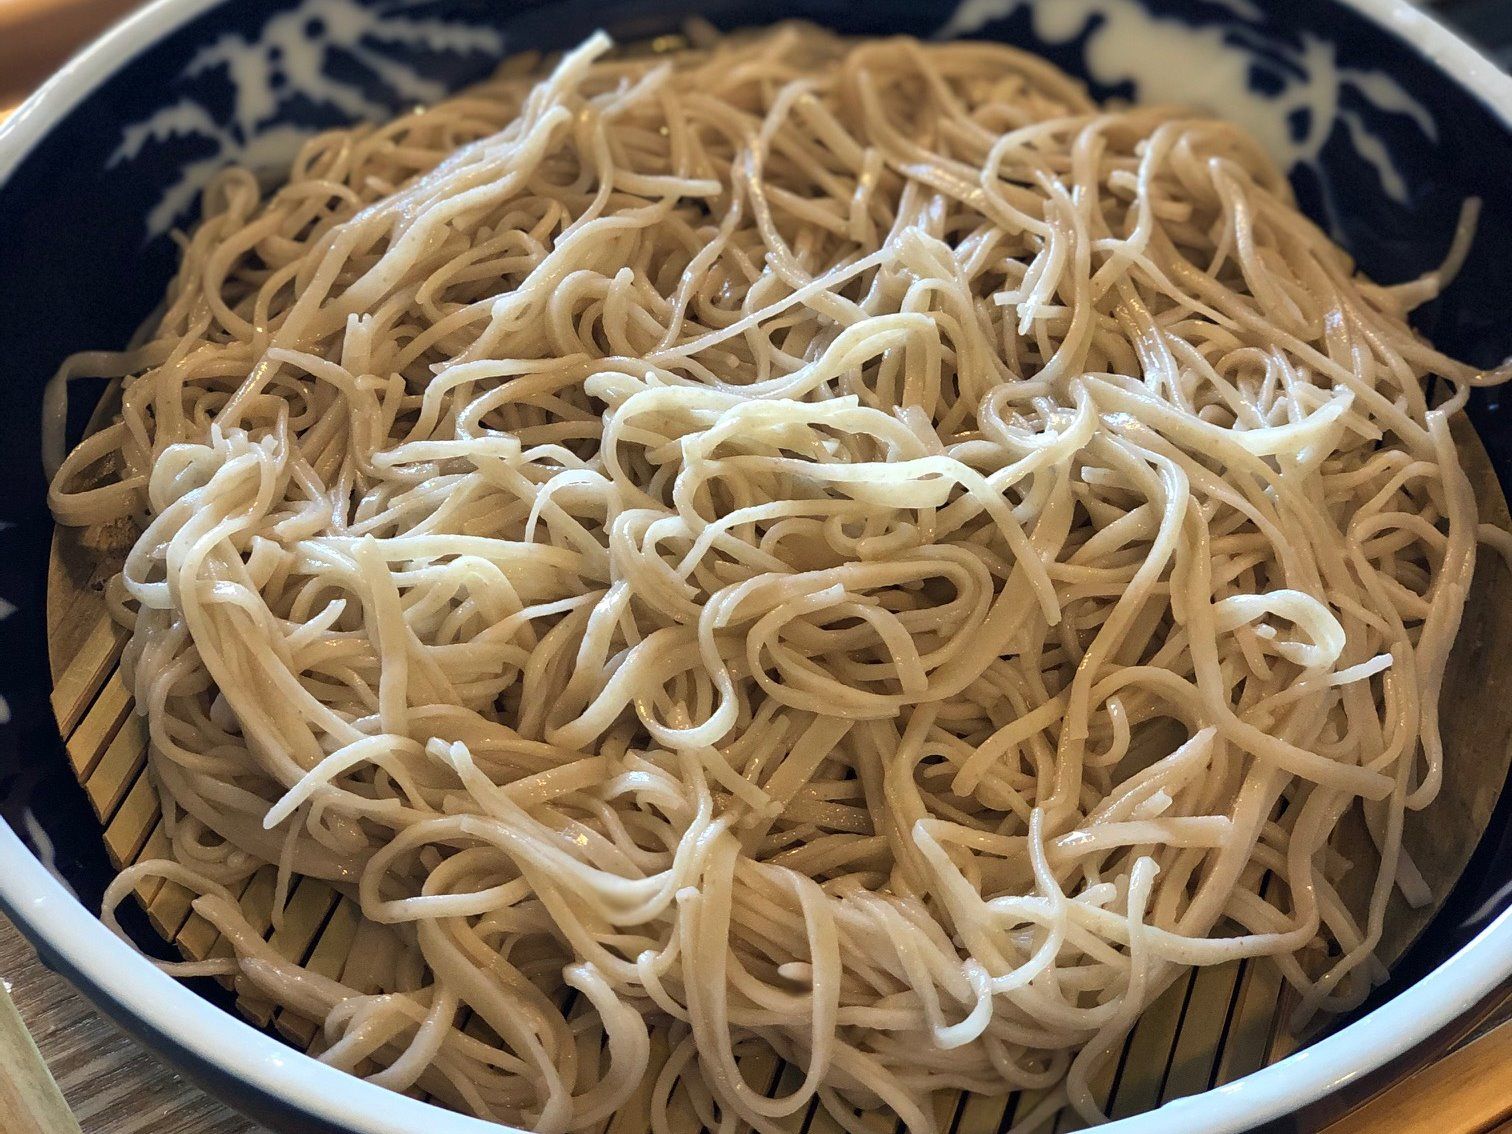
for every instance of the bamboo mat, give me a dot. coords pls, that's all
(116, 1088)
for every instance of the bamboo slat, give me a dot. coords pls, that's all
(1209, 1027)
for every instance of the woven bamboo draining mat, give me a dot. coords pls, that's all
(114, 1087)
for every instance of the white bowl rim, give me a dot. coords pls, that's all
(46, 909)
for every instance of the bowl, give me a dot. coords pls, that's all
(1385, 121)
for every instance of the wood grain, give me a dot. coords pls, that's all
(29, 1099)
(111, 1083)
(1469, 1091)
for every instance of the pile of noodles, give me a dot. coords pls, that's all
(846, 552)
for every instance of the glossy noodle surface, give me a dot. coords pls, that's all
(842, 550)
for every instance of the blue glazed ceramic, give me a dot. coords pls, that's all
(1385, 121)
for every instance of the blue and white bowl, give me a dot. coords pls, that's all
(1385, 120)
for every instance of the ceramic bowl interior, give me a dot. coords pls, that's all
(1381, 144)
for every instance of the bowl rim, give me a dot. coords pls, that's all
(72, 939)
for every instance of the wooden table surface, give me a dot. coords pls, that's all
(111, 1083)
(115, 1087)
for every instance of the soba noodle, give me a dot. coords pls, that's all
(785, 547)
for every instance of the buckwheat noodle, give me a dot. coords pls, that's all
(845, 551)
